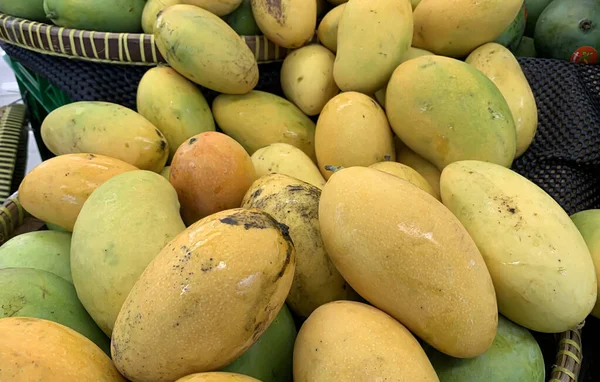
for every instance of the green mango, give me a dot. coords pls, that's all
(588, 224)
(35, 293)
(98, 15)
(27, 9)
(526, 48)
(512, 35)
(54, 227)
(534, 10)
(242, 20)
(45, 250)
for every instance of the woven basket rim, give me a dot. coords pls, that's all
(106, 47)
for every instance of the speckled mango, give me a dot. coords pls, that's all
(55, 190)
(106, 129)
(288, 23)
(204, 49)
(406, 254)
(219, 283)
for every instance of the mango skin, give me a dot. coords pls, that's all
(151, 10)
(372, 38)
(373, 344)
(455, 29)
(26, 292)
(408, 157)
(405, 172)
(288, 23)
(218, 7)
(352, 130)
(119, 16)
(258, 119)
(217, 377)
(118, 232)
(44, 250)
(220, 283)
(328, 28)
(296, 204)
(541, 267)
(406, 254)
(26, 9)
(588, 224)
(174, 105)
(29, 349)
(513, 346)
(446, 111)
(211, 172)
(501, 66)
(107, 129)
(56, 189)
(281, 158)
(204, 49)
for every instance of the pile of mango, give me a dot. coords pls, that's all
(241, 241)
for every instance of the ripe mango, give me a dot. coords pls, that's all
(328, 28)
(372, 38)
(406, 254)
(351, 341)
(123, 225)
(288, 23)
(204, 49)
(588, 224)
(56, 189)
(107, 129)
(408, 157)
(33, 349)
(220, 283)
(211, 173)
(446, 111)
(151, 11)
(217, 377)
(541, 267)
(404, 172)
(218, 7)
(258, 119)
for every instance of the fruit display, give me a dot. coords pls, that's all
(359, 221)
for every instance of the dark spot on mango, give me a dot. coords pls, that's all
(126, 145)
(90, 156)
(512, 210)
(288, 257)
(249, 220)
(163, 145)
(275, 9)
(300, 79)
(427, 65)
(192, 140)
(256, 193)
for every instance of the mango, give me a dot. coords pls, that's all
(526, 48)
(166, 172)
(151, 10)
(542, 270)
(107, 129)
(258, 119)
(54, 227)
(218, 7)
(406, 254)
(38, 350)
(296, 204)
(242, 21)
(211, 173)
(513, 346)
(446, 111)
(288, 23)
(281, 158)
(414, 3)
(503, 69)
(328, 28)
(455, 29)
(421, 165)
(119, 16)
(44, 250)
(372, 38)
(174, 105)
(270, 358)
(56, 189)
(216, 377)
(220, 283)
(352, 130)
(588, 224)
(26, 9)
(26, 292)
(404, 172)
(204, 49)
(122, 226)
(307, 78)
(337, 2)
(318, 355)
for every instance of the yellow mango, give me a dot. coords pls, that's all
(151, 10)
(217, 377)
(174, 105)
(373, 36)
(107, 129)
(296, 204)
(123, 225)
(218, 7)
(408, 157)
(381, 348)
(258, 119)
(588, 224)
(406, 254)
(541, 267)
(352, 130)
(204, 49)
(288, 23)
(446, 111)
(456, 28)
(55, 190)
(33, 349)
(501, 66)
(219, 283)
(328, 28)
(307, 78)
(281, 158)
(404, 172)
